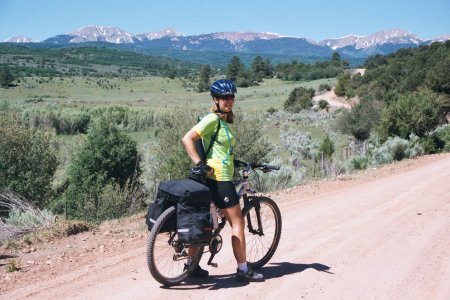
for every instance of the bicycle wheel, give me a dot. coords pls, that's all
(166, 256)
(261, 242)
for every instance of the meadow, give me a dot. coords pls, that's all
(156, 93)
(160, 96)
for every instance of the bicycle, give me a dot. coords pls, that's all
(166, 256)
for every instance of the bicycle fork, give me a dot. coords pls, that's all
(259, 230)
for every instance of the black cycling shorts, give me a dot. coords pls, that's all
(224, 193)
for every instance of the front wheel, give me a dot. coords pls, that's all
(166, 256)
(262, 234)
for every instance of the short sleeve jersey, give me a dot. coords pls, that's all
(221, 155)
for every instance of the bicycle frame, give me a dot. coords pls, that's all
(243, 192)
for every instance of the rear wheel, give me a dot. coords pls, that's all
(261, 242)
(166, 256)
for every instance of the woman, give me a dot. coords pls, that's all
(220, 167)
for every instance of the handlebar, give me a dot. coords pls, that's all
(255, 166)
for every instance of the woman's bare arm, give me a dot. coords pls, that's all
(188, 141)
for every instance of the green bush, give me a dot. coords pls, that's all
(327, 147)
(251, 143)
(395, 149)
(300, 98)
(361, 119)
(417, 113)
(27, 160)
(272, 181)
(323, 104)
(169, 158)
(298, 144)
(116, 201)
(272, 110)
(324, 87)
(6, 77)
(359, 162)
(443, 134)
(108, 157)
(437, 141)
(342, 85)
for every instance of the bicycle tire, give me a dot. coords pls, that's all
(162, 254)
(261, 248)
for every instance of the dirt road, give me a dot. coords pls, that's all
(333, 100)
(380, 234)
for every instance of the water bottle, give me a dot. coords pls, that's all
(213, 210)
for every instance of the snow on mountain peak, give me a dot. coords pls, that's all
(236, 37)
(94, 33)
(168, 32)
(399, 36)
(20, 39)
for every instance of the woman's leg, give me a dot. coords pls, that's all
(234, 217)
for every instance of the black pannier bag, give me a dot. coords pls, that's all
(163, 201)
(193, 217)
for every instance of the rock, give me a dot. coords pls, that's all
(26, 250)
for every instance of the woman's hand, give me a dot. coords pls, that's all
(207, 169)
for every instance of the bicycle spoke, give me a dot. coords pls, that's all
(261, 247)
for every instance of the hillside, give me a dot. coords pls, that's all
(88, 60)
(388, 227)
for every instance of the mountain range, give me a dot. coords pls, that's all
(382, 42)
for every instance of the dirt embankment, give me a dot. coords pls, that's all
(379, 234)
(335, 101)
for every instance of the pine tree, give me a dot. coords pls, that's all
(327, 147)
(204, 79)
(5, 77)
(235, 69)
(258, 69)
(336, 59)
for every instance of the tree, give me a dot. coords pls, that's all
(438, 79)
(108, 157)
(268, 68)
(362, 118)
(235, 69)
(300, 98)
(204, 79)
(27, 160)
(258, 69)
(336, 59)
(5, 77)
(343, 84)
(251, 145)
(327, 147)
(417, 112)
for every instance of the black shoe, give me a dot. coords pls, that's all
(199, 272)
(249, 276)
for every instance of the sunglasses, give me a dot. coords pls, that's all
(227, 97)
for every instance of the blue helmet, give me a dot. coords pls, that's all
(222, 87)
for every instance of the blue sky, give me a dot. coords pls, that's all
(314, 19)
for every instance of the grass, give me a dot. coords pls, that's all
(13, 266)
(159, 94)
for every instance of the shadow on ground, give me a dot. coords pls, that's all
(225, 281)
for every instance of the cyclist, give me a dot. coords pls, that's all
(220, 167)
